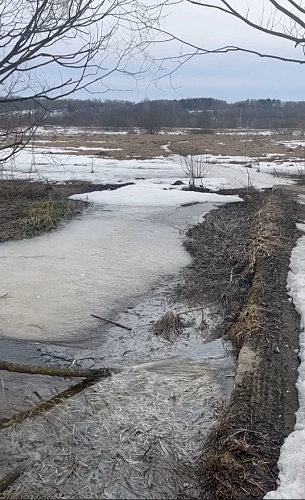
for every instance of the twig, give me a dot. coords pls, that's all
(4, 295)
(47, 405)
(112, 322)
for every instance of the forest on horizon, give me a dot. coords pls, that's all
(153, 115)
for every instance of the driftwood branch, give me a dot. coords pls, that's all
(48, 405)
(15, 473)
(54, 371)
(112, 322)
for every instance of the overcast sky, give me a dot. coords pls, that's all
(232, 77)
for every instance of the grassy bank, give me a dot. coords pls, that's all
(28, 209)
(241, 260)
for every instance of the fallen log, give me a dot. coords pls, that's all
(54, 371)
(112, 322)
(49, 404)
(15, 473)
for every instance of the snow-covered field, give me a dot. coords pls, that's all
(63, 164)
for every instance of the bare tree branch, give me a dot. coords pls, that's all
(298, 7)
(274, 19)
(77, 42)
(247, 21)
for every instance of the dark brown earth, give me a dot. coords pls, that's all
(241, 260)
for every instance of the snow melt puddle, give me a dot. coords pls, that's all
(291, 463)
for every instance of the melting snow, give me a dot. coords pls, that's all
(152, 195)
(224, 171)
(293, 143)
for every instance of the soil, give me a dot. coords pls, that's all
(241, 260)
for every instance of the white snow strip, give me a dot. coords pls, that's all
(152, 195)
(293, 143)
(291, 463)
(59, 130)
(223, 171)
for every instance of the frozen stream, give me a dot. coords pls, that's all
(140, 432)
(92, 265)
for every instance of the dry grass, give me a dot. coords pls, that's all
(221, 272)
(250, 322)
(240, 455)
(239, 257)
(31, 208)
(145, 146)
(234, 462)
(267, 226)
(135, 435)
(266, 241)
(169, 326)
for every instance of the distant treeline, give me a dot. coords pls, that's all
(151, 116)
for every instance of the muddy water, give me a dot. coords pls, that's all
(140, 431)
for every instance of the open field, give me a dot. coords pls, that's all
(260, 144)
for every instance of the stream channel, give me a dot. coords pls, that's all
(138, 434)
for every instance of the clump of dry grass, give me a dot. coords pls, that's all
(30, 208)
(250, 322)
(230, 459)
(42, 216)
(45, 215)
(169, 326)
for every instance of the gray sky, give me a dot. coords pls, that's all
(224, 76)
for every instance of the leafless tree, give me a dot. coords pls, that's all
(52, 48)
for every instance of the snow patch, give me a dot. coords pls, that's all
(152, 195)
(292, 144)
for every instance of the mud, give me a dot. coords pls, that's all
(241, 454)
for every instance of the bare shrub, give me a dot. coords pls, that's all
(195, 167)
